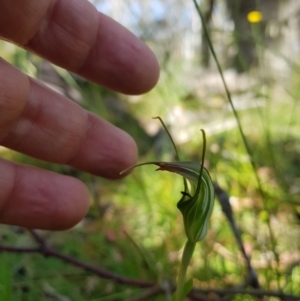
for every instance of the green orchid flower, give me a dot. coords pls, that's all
(197, 201)
(196, 205)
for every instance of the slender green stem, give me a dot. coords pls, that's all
(235, 113)
(185, 261)
(175, 148)
(243, 136)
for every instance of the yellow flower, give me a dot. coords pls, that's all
(254, 16)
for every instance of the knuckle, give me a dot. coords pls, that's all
(19, 20)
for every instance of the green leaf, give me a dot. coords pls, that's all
(187, 287)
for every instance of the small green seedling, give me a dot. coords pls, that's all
(196, 205)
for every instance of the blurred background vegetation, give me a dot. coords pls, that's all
(135, 220)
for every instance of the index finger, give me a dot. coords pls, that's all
(73, 35)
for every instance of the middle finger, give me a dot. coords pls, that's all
(48, 126)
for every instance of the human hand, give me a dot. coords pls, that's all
(38, 122)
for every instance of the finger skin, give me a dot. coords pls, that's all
(38, 122)
(35, 198)
(73, 35)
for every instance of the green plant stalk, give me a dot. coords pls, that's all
(256, 32)
(185, 261)
(235, 113)
(196, 208)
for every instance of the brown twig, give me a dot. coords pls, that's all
(10, 249)
(46, 251)
(147, 293)
(223, 198)
(243, 291)
(153, 288)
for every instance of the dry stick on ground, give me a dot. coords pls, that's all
(151, 287)
(47, 251)
(243, 291)
(147, 293)
(227, 210)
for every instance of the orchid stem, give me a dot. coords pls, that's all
(185, 261)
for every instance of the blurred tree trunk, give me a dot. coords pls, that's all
(238, 10)
(205, 52)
